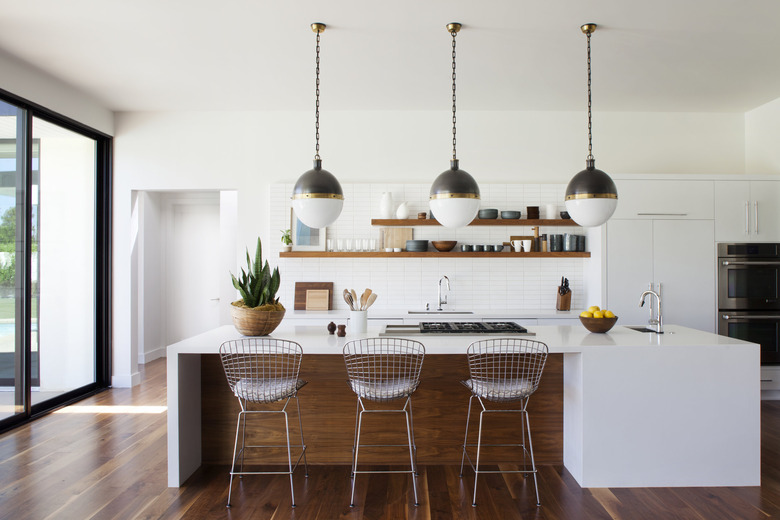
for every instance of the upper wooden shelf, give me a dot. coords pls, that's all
(432, 254)
(475, 222)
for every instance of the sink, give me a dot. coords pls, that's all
(641, 328)
(440, 312)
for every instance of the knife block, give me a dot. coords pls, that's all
(563, 302)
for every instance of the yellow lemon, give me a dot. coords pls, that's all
(586, 314)
(593, 308)
(609, 314)
(598, 314)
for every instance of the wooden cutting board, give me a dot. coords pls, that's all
(396, 236)
(302, 287)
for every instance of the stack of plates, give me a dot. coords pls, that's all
(416, 246)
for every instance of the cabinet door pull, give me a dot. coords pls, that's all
(755, 214)
(747, 217)
(767, 380)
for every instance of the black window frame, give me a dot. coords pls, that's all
(103, 259)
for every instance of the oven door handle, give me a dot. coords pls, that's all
(754, 317)
(731, 262)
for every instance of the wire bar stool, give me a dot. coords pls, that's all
(501, 371)
(384, 369)
(262, 371)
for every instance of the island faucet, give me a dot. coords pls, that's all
(444, 301)
(659, 321)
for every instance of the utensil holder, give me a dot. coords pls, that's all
(358, 321)
(563, 302)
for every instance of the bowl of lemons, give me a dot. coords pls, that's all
(597, 320)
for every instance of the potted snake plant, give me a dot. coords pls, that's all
(258, 312)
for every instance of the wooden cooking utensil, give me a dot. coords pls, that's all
(354, 299)
(363, 300)
(371, 300)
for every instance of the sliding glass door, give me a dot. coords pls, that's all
(54, 261)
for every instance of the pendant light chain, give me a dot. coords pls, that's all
(454, 119)
(590, 124)
(317, 104)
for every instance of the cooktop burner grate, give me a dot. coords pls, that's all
(473, 327)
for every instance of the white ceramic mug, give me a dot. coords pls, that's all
(517, 245)
(551, 211)
(527, 245)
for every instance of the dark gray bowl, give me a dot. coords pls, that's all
(565, 215)
(510, 214)
(488, 213)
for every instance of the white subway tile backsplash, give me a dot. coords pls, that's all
(409, 283)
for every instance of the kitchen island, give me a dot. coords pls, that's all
(637, 409)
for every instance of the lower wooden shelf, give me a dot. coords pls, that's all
(430, 254)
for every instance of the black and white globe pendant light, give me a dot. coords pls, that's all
(454, 199)
(591, 196)
(317, 197)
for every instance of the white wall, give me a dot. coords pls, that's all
(762, 134)
(37, 86)
(248, 151)
(150, 274)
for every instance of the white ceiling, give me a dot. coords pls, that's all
(652, 55)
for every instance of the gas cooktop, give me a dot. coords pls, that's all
(471, 327)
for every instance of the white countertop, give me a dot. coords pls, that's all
(559, 339)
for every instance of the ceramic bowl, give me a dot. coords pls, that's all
(565, 215)
(444, 245)
(510, 214)
(598, 324)
(488, 213)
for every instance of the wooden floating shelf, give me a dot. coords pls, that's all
(475, 222)
(431, 254)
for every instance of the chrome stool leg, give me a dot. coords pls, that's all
(233, 463)
(303, 444)
(531, 453)
(465, 437)
(357, 449)
(412, 451)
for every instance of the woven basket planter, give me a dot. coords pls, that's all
(254, 322)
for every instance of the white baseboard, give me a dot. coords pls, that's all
(146, 357)
(126, 380)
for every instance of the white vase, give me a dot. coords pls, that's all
(403, 211)
(386, 205)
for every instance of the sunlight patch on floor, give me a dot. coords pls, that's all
(114, 409)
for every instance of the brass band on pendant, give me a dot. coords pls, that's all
(577, 196)
(454, 196)
(298, 196)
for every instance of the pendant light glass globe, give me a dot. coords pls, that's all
(591, 196)
(454, 197)
(317, 197)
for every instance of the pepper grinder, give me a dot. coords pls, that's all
(331, 328)
(537, 241)
(342, 331)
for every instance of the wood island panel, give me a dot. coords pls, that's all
(328, 412)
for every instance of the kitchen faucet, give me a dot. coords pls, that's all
(659, 322)
(444, 301)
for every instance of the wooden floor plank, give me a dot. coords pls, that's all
(113, 466)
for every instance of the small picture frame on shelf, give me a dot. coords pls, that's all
(305, 238)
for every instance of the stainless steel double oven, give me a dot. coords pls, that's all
(749, 296)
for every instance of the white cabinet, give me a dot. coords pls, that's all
(678, 254)
(667, 199)
(747, 211)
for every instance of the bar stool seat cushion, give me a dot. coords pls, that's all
(267, 390)
(384, 390)
(502, 390)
